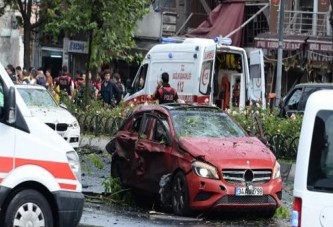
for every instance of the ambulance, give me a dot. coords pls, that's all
(203, 71)
(313, 184)
(40, 172)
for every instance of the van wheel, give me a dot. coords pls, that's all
(180, 195)
(28, 208)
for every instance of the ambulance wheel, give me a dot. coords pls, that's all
(180, 195)
(28, 208)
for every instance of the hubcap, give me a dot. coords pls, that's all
(29, 215)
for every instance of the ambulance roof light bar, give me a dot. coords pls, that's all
(223, 40)
(171, 40)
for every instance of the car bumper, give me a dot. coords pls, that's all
(70, 207)
(218, 194)
(72, 136)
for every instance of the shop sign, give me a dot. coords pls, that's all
(293, 45)
(77, 47)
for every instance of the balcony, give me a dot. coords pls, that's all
(307, 23)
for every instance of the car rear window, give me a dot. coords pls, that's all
(320, 171)
(192, 123)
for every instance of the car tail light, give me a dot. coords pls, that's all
(296, 213)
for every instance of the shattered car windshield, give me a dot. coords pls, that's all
(37, 97)
(194, 123)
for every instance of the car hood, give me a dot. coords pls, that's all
(52, 114)
(229, 152)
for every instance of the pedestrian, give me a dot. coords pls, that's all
(19, 74)
(41, 78)
(11, 72)
(65, 82)
(119, 84)
(33, 76)
(164, 92)
(49, 79)
(109, 91)
(26, 77)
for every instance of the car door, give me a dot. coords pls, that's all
(7, 134)
(153, 151)
(292, 102)
(126, 140)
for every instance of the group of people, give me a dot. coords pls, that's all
(31, 76)
(106, 86)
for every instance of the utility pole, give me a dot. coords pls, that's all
(280, 53)
(331, 22)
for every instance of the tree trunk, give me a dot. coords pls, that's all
(87, 87)
(27, 45)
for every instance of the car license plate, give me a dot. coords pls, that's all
(242, 191)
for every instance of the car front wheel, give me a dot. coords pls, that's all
(180, 195)
(28, 208)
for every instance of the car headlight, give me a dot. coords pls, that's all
(74, 163)
(205, 170)
(276, 170)
(74, 125)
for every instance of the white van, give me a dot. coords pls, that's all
(202, 70)
(40, 172)
(313, 185)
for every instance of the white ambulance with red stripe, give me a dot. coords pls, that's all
(203, 70)
(40, 172)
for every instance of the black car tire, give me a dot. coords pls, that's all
(180, 195)
(268, 214)
(28, 206)
(116, 167)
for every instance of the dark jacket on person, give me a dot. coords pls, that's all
(166, 94)
(110, 93)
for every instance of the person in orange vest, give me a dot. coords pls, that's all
(225, 92)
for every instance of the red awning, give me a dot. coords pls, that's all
(224, 19)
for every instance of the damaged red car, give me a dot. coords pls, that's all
(197, 159)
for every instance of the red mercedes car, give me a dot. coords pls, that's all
(195, 158)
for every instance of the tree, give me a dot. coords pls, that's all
(34, 13)
(109, 27)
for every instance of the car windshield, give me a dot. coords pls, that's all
(37, 97)
(203, 123)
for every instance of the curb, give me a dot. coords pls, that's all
(95, 143)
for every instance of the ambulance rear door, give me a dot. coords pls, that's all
(206, 88)
(257, 77)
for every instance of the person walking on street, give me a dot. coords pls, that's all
(41, 78)
(65, 82)
(164, 92)
(119, 84)
(11, 72)
(109, 91)
(49, 79)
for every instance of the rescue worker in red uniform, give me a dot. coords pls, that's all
(164, 92)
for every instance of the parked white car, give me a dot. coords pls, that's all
(43, 106)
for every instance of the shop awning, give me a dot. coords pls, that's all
(294, 42)
(224, 19)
